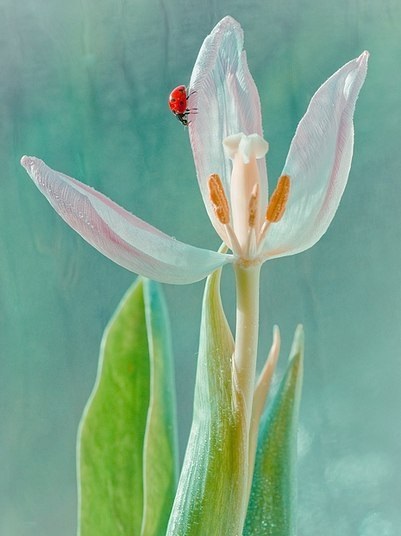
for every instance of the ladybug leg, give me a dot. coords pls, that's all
(182, 118)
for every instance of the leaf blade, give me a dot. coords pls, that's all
(120, 422)
(271, 510)
(160, 449)
(106, 480)
(210, 494)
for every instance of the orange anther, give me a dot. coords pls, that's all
(278, 200)
(219, 199)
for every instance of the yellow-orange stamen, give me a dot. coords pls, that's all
(253, 205)
(278, 200)
(219, 199)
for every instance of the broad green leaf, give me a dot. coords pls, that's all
(127, 439)
(160, 451)
(210, 496)
(272, 505)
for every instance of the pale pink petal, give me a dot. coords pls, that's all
(318, 162)
(122, 237)
(226, 102)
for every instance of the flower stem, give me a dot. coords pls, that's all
(245, 356)
(246, 334)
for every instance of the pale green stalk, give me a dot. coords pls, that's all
(246, 349)
(246, 332)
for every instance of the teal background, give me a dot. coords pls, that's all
(84, 85)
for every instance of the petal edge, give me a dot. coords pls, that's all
(319, 162)
(226, 100)
(118, 234)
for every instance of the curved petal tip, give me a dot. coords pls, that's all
(27, 162)
(319, 161)
(362, 61)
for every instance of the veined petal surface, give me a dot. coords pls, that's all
(318, 162)
(121, 236)
(226, 102)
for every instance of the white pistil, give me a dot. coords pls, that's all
(245, 183)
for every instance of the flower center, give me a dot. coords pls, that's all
(245, 229)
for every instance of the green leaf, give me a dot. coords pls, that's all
(272, 505)
(160, 451)
(127, 451)
(210, 496)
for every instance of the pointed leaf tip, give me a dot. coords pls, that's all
(272, 505)
(298, 342)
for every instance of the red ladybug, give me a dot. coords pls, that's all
(178, 102)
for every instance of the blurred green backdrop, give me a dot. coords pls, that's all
(84, 85)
